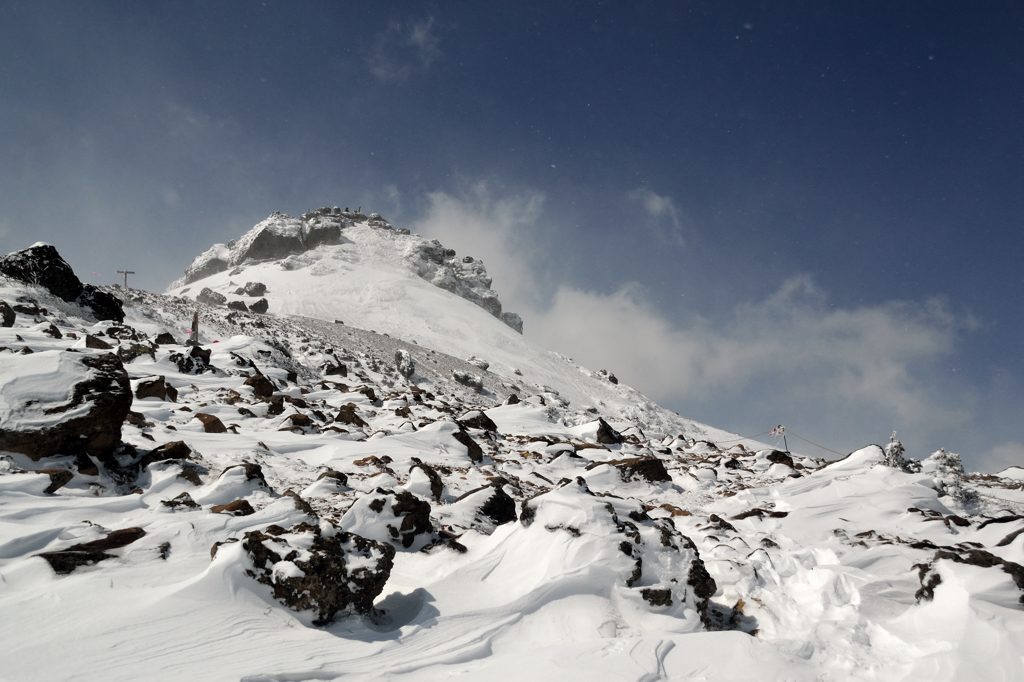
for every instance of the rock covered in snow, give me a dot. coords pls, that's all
(319, 569)
(284, 238)
(55, 402)
(399, 518)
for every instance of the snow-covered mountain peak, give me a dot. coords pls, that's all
(356, 238)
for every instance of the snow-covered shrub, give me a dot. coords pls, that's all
(894, 457)
(948, 473)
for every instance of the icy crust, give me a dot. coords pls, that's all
(298, 243)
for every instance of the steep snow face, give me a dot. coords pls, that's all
(281, 236)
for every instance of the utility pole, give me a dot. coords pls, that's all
(126, 273)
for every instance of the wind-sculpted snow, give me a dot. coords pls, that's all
(352, 518)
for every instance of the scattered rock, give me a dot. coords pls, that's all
(211, 297)
(467, 379)
(401, 519)
(336, 573)
(476, 453)
(260, 307)
(254, 289)
(7, 314)
(436, 484)
(211, 424)
(236, 508)
(779, 457)
(238, 305)
(332, 369)
(196, 361)
(656, 597)
(67, 560)
(261, 386)
(606, 434)
(477, 420)
(650, 469)
(404, 363)
(176, 450)
(53, 332)
(347, 415)
(165, 339)
(156, 388)
(182, 500)
(58, 479)
(93, 342)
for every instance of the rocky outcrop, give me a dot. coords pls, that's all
(63, 403)
(281, 236)
(41, 265)
(323, 571)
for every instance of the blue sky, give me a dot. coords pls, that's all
(800, 212)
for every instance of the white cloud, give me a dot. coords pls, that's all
(403, 48)
(666, 216)
(863, 370)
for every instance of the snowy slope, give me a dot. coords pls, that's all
(529, 540)
(373, 281)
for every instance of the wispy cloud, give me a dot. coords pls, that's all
(855, 372)
(662, 210)
(403, 48)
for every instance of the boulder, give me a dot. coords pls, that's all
(513, 320)
(262, 387)
(259, 307)
(650, 469)
(156, 388)
(84, 554)
(475, 452)
(196, 361)
(236, 508)
(401, 519)
(493, 503)
(211, 424)
(330, 573)
(211, 297)
(347, 415)
(476, 419)
(338, 476)
(606, 434)
(165, 339)
(7, 314)
(96, 343)
(468, 379)
(404, 363)
(238, 305)
(254, 289)
(53, 402)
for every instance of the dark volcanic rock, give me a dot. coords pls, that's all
(259, 307)
(656, 597)
(468, 379)
(477, 420)
(98, 344)
(86, 420)
(165, 339)
(476, 453)
(156, 388)
(238, 305)
(211, 297)
(67, 560)
(254, 289)
(196, 362)
(341, 573)
(211, 424)
(7, 314)
(262, 387)
(606, 434)
(58, 479)
(41, 265)
(182, 500)
(779, 457)
(338, 476)
(173, 450)
(497, 506)
(347, 415)
(436, 484)
(650, 469)
(236, 508)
